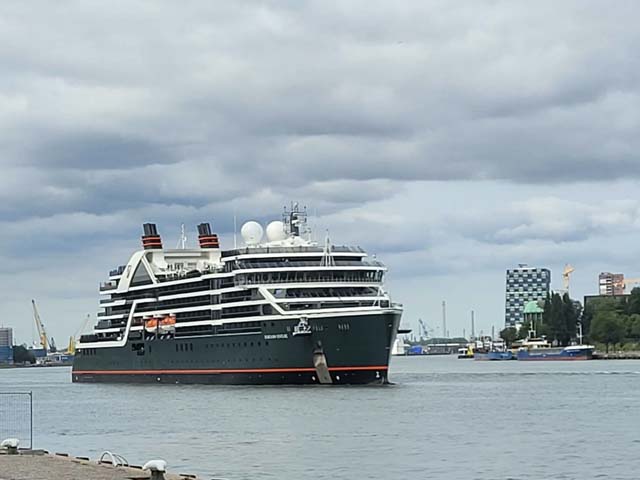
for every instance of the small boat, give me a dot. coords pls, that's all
(572, 352)
(494, 355)
(466, 352)
(399, 347)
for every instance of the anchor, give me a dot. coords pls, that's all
(320, 364)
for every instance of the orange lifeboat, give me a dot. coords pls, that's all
(168, 323)
(151, 324)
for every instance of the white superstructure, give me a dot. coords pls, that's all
(279, 274)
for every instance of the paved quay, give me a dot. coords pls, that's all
(46, 466)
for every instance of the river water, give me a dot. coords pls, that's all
(444, 418)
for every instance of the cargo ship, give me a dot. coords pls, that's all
(278, 310)
(572, 352)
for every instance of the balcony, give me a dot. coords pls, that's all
(106, 286)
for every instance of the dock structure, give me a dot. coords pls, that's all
(44, 466)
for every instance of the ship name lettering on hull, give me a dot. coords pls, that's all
(277, 336)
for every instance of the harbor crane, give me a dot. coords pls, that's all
(424, 330)
(71, 349)
(627, 282)
(566, 276)
(42, 333)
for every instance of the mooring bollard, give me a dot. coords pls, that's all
(11, 444)
(157, 469)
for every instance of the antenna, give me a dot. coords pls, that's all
(182, 241)
(327, 258)
(235, 230)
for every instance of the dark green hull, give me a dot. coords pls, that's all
(356, 348)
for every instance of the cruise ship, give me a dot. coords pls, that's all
(281, 309)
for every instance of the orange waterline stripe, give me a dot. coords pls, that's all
(205, 371)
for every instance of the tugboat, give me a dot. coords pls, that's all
(466, 352)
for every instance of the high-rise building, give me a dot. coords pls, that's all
(6, 345)
(611, 283)
(524, 284)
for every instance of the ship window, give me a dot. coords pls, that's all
(141, 276)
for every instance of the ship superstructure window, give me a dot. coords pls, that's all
(141, 276)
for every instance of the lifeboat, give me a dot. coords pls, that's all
(151, 324)
(161, 324)
(168, 323)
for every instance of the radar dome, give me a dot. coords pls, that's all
(275, 231)
(251, 233)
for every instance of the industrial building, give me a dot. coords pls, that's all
(6, 345)
(524, 284)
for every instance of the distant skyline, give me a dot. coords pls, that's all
(453, 140)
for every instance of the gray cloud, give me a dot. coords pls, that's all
(445, 137)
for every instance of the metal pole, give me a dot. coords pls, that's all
(444, 318)
(31, 420)
(473, 326)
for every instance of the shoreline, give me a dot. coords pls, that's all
(632, 355)
(38, 464)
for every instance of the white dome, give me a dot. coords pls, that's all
(275, 231)
(251, 233)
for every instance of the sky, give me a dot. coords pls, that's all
(453, 140)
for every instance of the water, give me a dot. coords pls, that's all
(445, 418)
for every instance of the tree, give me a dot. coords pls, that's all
(633, 331)
(633, 302)
(546, 312)
(553, 319)
(569, 321)
(523, 331)
(22, 355)
(607, 328)
(602, 304)
(509, 335)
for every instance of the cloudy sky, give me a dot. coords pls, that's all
(452, 139)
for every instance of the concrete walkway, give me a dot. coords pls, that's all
(53, 467)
